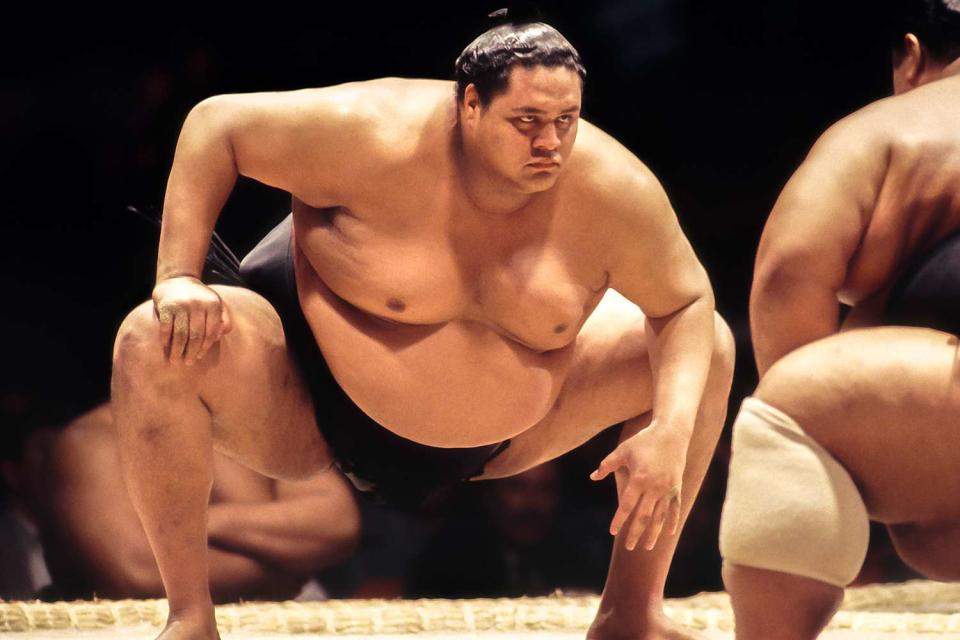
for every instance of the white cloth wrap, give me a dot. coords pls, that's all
(790, 506)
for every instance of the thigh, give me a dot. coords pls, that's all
(930, 548)
(884, 402)
(263, 415)
(609, 381)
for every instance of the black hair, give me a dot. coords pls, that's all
(936, 23)
(486, 62)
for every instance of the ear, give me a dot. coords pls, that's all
(471, 102)
(914, 61)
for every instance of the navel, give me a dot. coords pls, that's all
(396, 304)
(560, 328)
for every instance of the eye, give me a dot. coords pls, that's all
(565, 120)
(527, 119)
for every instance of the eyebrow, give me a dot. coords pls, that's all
(535, 110)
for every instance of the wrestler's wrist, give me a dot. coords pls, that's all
(178, 274)
(674, 428)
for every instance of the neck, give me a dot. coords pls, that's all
(951, 69)
(485, 190)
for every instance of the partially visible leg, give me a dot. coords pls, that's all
(930, 548)
(771, 605)
(881, 403)
(245, 397)
(632, 602)
(610, 382)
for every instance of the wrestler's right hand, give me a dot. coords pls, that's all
(192, 317)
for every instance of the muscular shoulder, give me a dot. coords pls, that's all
(624, 202)
(919, 126)
(363, 111)
(308, 141)
(636, 233)
(620, 192)
(857, 142)
(834, 190)
(924, 139)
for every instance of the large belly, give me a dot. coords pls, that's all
(455, 384)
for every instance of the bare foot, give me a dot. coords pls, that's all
(660, 627)
(199, 626)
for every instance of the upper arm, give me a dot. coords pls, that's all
(301, 141)
(819, 219)
(653, 263)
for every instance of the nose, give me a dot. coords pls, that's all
(547, 138)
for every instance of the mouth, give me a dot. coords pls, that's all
(544, 165)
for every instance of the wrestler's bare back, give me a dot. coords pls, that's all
(877, 190)
(896, 194)
(918, 201)
(451, 325)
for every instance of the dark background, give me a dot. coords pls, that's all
(721, 99)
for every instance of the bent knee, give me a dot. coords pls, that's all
(138, 332)
(139, 354)
(790, 506)
(724, 347)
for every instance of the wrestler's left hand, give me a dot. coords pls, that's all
(649, 470)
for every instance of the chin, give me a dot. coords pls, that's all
(537, 184)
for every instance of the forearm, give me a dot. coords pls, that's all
(787, 313)
(680, 352)
(203, 174)
(301, 534)
(235, 575)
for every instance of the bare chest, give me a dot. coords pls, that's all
(530, 286)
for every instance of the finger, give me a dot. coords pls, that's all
(213, 331)
(181, 329)
(164, 327)
(628, 500)
(198, 328)
(656, 523)
(673, 517)
(607, 466)
(641, 520)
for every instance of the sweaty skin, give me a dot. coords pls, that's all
(452, 325)
(884, 404)
(469, 275)
(878, 189)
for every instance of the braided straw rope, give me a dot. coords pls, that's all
(914, 607)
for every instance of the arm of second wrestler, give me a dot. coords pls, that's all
(88, 498)
(309, 526)
(810, 238)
